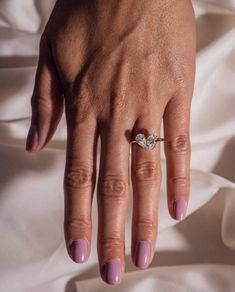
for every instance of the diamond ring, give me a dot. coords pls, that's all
(148, 142)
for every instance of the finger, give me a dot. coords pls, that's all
(146, 181)
(79, 184)
(46, 102)
(112, 194)
(178, 151)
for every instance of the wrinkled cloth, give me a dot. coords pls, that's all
(196, 254)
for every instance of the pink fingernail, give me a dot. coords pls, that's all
(111, 271)
(142, 254)
(32, 139)
(179, 208)
(79, 250)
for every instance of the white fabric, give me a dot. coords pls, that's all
(197, 254)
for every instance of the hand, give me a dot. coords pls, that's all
(118, 68)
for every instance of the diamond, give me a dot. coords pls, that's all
(151, 141)
(141, 140)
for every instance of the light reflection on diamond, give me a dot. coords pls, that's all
(149, 143)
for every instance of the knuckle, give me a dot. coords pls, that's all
(78, 101)
(146, 224)
(179, 181)
(78, 177)
(71, 95)
(73, 224)
(180, 143)
(41, 103)
(181, 83)
(110, 241)
(146, 171)
(113, 187)
(180, 72)
(118, 104)
(77, 94)
(118, 101)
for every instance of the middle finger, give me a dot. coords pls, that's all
(112, 195)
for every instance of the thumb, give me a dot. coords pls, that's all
(47, 102)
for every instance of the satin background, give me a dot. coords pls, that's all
(197, 254)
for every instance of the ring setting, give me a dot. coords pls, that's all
(147, 143)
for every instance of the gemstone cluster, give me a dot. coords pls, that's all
(148, 142)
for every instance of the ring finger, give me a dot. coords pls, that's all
(146, 180)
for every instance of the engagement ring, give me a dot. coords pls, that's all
(148, 142)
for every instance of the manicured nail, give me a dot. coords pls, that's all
(111, 271)
(79, 250)
(179, 208)
(142, 254)
(32, 139)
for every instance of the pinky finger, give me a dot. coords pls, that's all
(177, 148)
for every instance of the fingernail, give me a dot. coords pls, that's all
(179, 208)
(142, 254)
(32, 139)
(79, 250)
(111, 271)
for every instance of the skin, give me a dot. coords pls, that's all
(117, 68)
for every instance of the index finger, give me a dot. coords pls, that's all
(79, 184)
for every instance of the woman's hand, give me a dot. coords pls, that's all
(118, 67)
